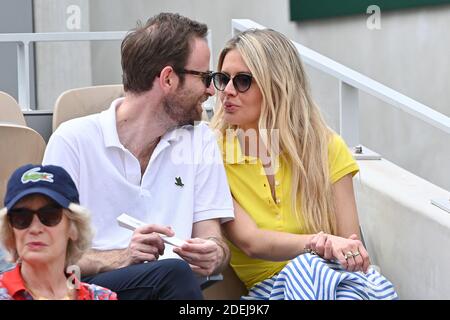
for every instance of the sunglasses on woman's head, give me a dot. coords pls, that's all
(241, 81)
(49, 216)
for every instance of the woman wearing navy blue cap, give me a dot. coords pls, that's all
(45, 231)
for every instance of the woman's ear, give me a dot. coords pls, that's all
(73, 231)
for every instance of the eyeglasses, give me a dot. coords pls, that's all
(21, 218)
(206, 76)
(241, 81)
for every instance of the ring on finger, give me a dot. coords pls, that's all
(348, 255)
(311, 251)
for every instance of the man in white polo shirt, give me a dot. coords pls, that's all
(144, 157)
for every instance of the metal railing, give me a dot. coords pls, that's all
(23, 41)
(350, 83)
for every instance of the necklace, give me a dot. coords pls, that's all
(39, 297)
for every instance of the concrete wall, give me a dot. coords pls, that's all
(409, 54)
(405, 234)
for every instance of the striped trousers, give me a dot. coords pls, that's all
(310, 277)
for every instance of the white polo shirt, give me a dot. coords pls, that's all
(184, 183)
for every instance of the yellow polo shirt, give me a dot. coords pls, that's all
(250, 188)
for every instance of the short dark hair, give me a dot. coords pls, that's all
(165, 40)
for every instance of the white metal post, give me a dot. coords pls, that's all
(349, 122)
(209, 40)
(349, 113)
(208, 105)
(23, 71)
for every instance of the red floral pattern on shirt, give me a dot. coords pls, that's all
(12, 287)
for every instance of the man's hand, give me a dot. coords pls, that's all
(145, 244)
(204, 256)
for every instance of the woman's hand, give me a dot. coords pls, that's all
(350, 251)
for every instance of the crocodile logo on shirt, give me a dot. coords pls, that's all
(178, 182)
(33, 175)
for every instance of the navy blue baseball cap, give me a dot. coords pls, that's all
(51, 181)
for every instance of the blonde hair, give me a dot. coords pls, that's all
(79, 219)
(287, 106)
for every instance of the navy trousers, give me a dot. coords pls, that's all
(168, 279)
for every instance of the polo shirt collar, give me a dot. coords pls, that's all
(13, 282)
(109, 127)
(232, 152)
(176, 133)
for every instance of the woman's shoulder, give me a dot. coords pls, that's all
(335, 141)
(340, 158)
(337, 146)
(97, 292)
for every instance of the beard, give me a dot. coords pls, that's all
(183, 108)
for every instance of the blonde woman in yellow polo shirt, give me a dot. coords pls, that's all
(291, 179)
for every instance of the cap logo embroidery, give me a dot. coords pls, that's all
(33, 175)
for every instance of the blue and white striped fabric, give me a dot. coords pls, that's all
(310, 277)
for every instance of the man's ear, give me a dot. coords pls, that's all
(168, 79)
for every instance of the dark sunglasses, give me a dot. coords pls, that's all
(241, 81)
(21, 218)
(206, 76)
